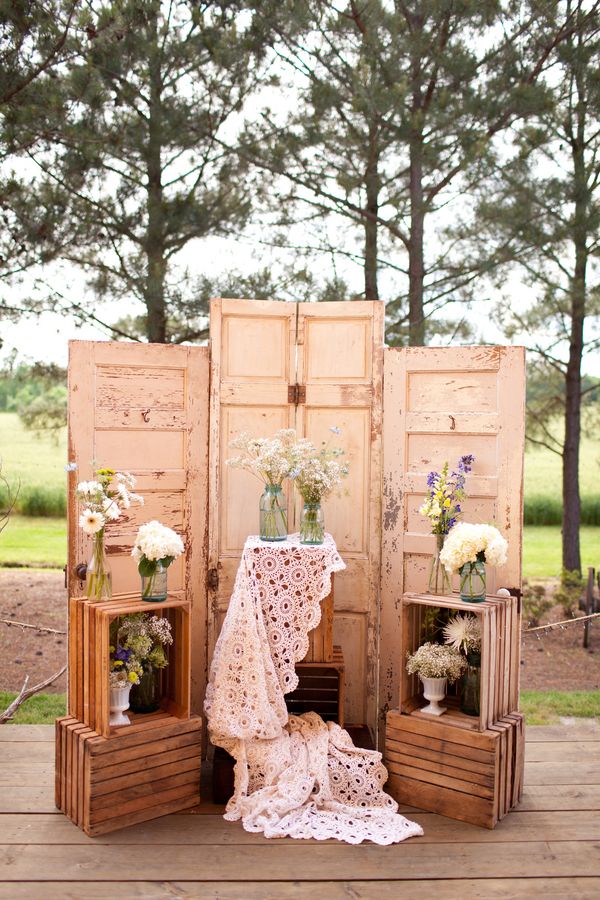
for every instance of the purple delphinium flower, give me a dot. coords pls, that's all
(122, 654)
(431, 478)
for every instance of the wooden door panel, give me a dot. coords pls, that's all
(350, 632)
(439, 404)
(144, 408)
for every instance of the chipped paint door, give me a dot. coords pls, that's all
(440, 403)
(340, 365)
(253, 361)
(144, 408)
(333, 350)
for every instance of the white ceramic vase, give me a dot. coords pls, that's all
(119, 702)
(434, 690)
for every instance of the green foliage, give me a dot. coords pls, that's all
(137, 121)
(548, 510)
(535, 604)
(546, 707)
(41, 709)
(570, 591)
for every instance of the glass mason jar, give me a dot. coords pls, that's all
(472, 582)
(145, 696)
(273, 514)
(470, 685)
(312, 524)
(154, 587)
(98, 578)
(439, 580)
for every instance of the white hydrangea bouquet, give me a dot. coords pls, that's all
(467, 549)
(103, 500)
(154, 549)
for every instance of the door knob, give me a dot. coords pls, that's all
(81, 571)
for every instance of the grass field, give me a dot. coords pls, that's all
(32, 541)
(41, 709)
(543, 470)
(542, 551)
(28, 459)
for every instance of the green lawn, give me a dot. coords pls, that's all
(32, 541)
(542, 552)
(41, 709)
(546, 707)
(28, 459)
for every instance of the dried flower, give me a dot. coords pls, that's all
(463, 633)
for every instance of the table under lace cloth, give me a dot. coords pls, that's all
(295, 776)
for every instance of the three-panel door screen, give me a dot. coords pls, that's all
(168, 414)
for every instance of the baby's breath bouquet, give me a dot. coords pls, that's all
(317, 474)
(436, 661)
(103, 499)
(271, 460)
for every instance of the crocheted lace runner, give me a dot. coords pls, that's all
(298, 776)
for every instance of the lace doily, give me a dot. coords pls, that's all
(300, 777)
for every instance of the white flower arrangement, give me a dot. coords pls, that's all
(468, 543)
(463, 633)
(155, 543)
(104, 498)
(436, 661)
(318, 473)
(272, 460)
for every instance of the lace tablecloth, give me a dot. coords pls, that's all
(296, 776)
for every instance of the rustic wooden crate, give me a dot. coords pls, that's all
(89, 660)
(320, 689)
(474, 776)
(320, 639)
(103, 785)
(500, 655)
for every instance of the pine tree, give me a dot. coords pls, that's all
(542, 215)
(129, 144)
(400, 106)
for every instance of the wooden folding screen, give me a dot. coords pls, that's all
(144, 408)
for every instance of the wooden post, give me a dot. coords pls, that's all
(589, 606)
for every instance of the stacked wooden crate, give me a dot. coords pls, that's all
(465, 767)
(109, 777)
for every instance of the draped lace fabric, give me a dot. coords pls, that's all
(298, 776)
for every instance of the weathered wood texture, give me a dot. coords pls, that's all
(320, 639)
(547, 846)
(476, 777)
(89, 659)
(334, 350)
(144, 408)
(500, 656)
(441, 403)
(105, 785)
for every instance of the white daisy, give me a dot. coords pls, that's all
(91, 521)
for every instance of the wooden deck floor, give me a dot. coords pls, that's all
(549, 847)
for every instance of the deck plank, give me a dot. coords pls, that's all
(213, 829)
(274, 861)
(458, 889)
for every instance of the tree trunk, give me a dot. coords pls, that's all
(371, 225)
(416, 266)
(156, 321)
(571, 520)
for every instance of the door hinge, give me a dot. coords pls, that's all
(213, 579)
(518, 593)
(296, 393)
